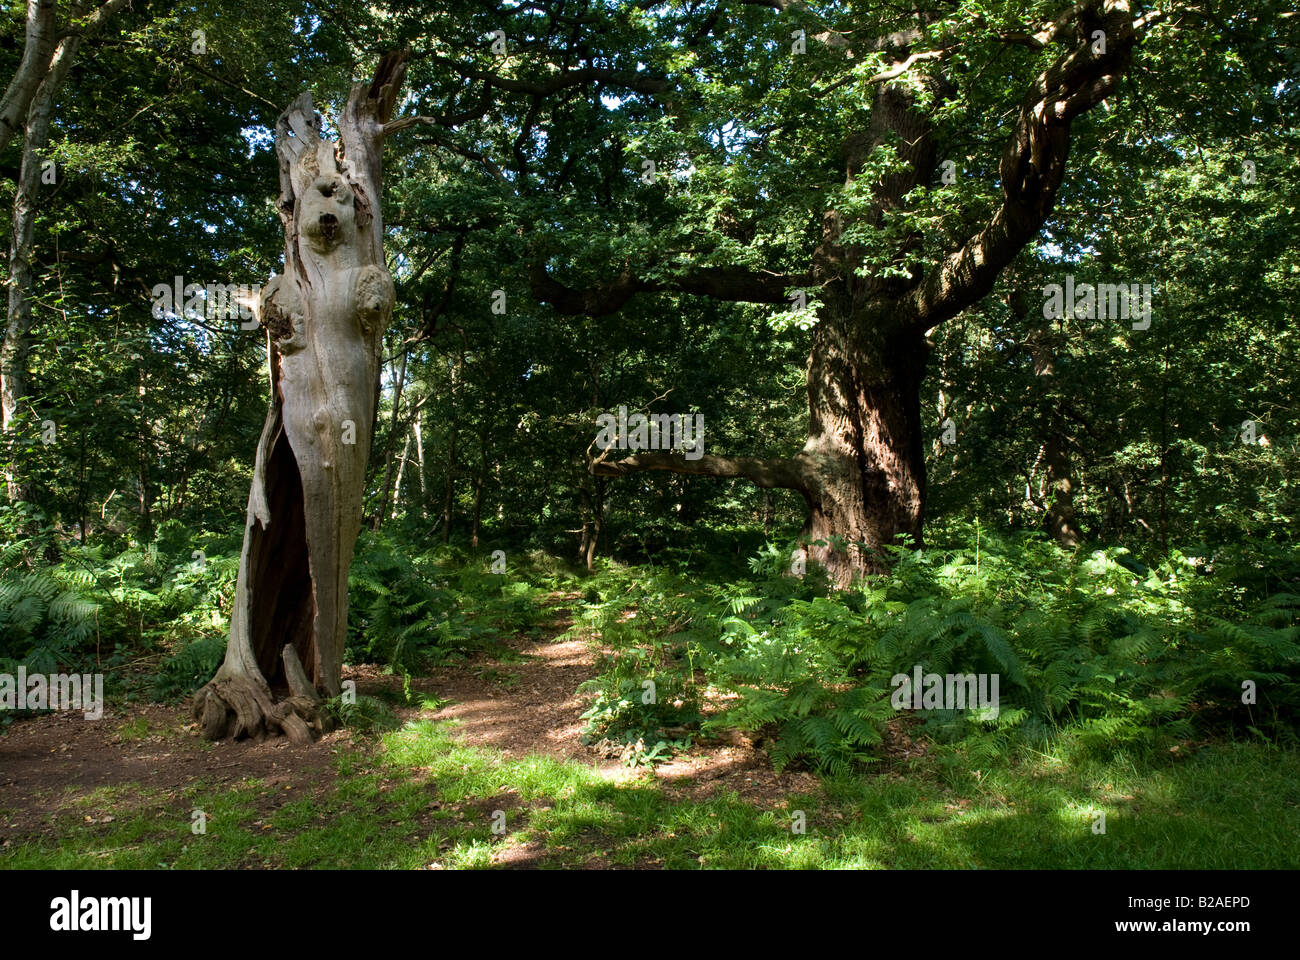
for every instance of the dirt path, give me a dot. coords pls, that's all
(524, 703)
(521, 704)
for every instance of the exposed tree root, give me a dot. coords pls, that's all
(242, 706)
(239, 707)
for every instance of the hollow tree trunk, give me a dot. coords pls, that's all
(325, 317)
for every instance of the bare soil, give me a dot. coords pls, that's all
(519, 704)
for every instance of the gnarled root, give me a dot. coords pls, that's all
(242, 706)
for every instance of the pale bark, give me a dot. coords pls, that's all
(419, 455)
(325, 318)
(401, 469)
(15, 351)
(28, 103)
(38, 47)
(385, 490)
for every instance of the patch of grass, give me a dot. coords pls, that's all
(363, 714)
(429, 800)
(137, 728)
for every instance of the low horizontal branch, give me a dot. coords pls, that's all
(735, 284)
(777, 472)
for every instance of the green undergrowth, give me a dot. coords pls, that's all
(1094, 652)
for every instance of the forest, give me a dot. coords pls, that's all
(650, 434)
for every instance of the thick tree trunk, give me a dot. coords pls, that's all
(864, 462)
(1060, 519)
(325, 318)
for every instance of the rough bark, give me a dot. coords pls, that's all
(325, 317)
(865, 461)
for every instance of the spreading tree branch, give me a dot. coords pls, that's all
(1033, 161)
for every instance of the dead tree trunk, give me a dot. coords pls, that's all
(325, 318)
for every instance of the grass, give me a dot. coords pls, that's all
(422, 798)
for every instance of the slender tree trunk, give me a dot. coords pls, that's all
(41, 33)
(449, 489)
(325, 318)
(82, 481)
(15, 352)
(419, 455)
(28, 103)
(585, 535)
(1059, 519)
(401, 469)
(389, 448)
(478, 509)
(597, 522)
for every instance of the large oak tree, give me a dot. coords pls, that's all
(880, 283)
